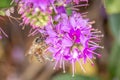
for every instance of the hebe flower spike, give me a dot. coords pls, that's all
(70, 38)
(73, 39)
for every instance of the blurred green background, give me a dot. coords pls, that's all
(15, 66)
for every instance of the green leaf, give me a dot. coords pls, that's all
(76, 77)
(114, 59)
(112, 6)
(114, 22)
(117, 75)
(5, 3)
(2, 13)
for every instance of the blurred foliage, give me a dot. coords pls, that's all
(76, 77)
(118, 69)
(2, 13)
(114, 62)
(114, 22)
(112, 6)
(5, 3)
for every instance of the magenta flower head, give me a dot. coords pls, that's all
(72, 39)
(37, 13)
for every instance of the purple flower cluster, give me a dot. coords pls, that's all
(70, 38)
(37, 13)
